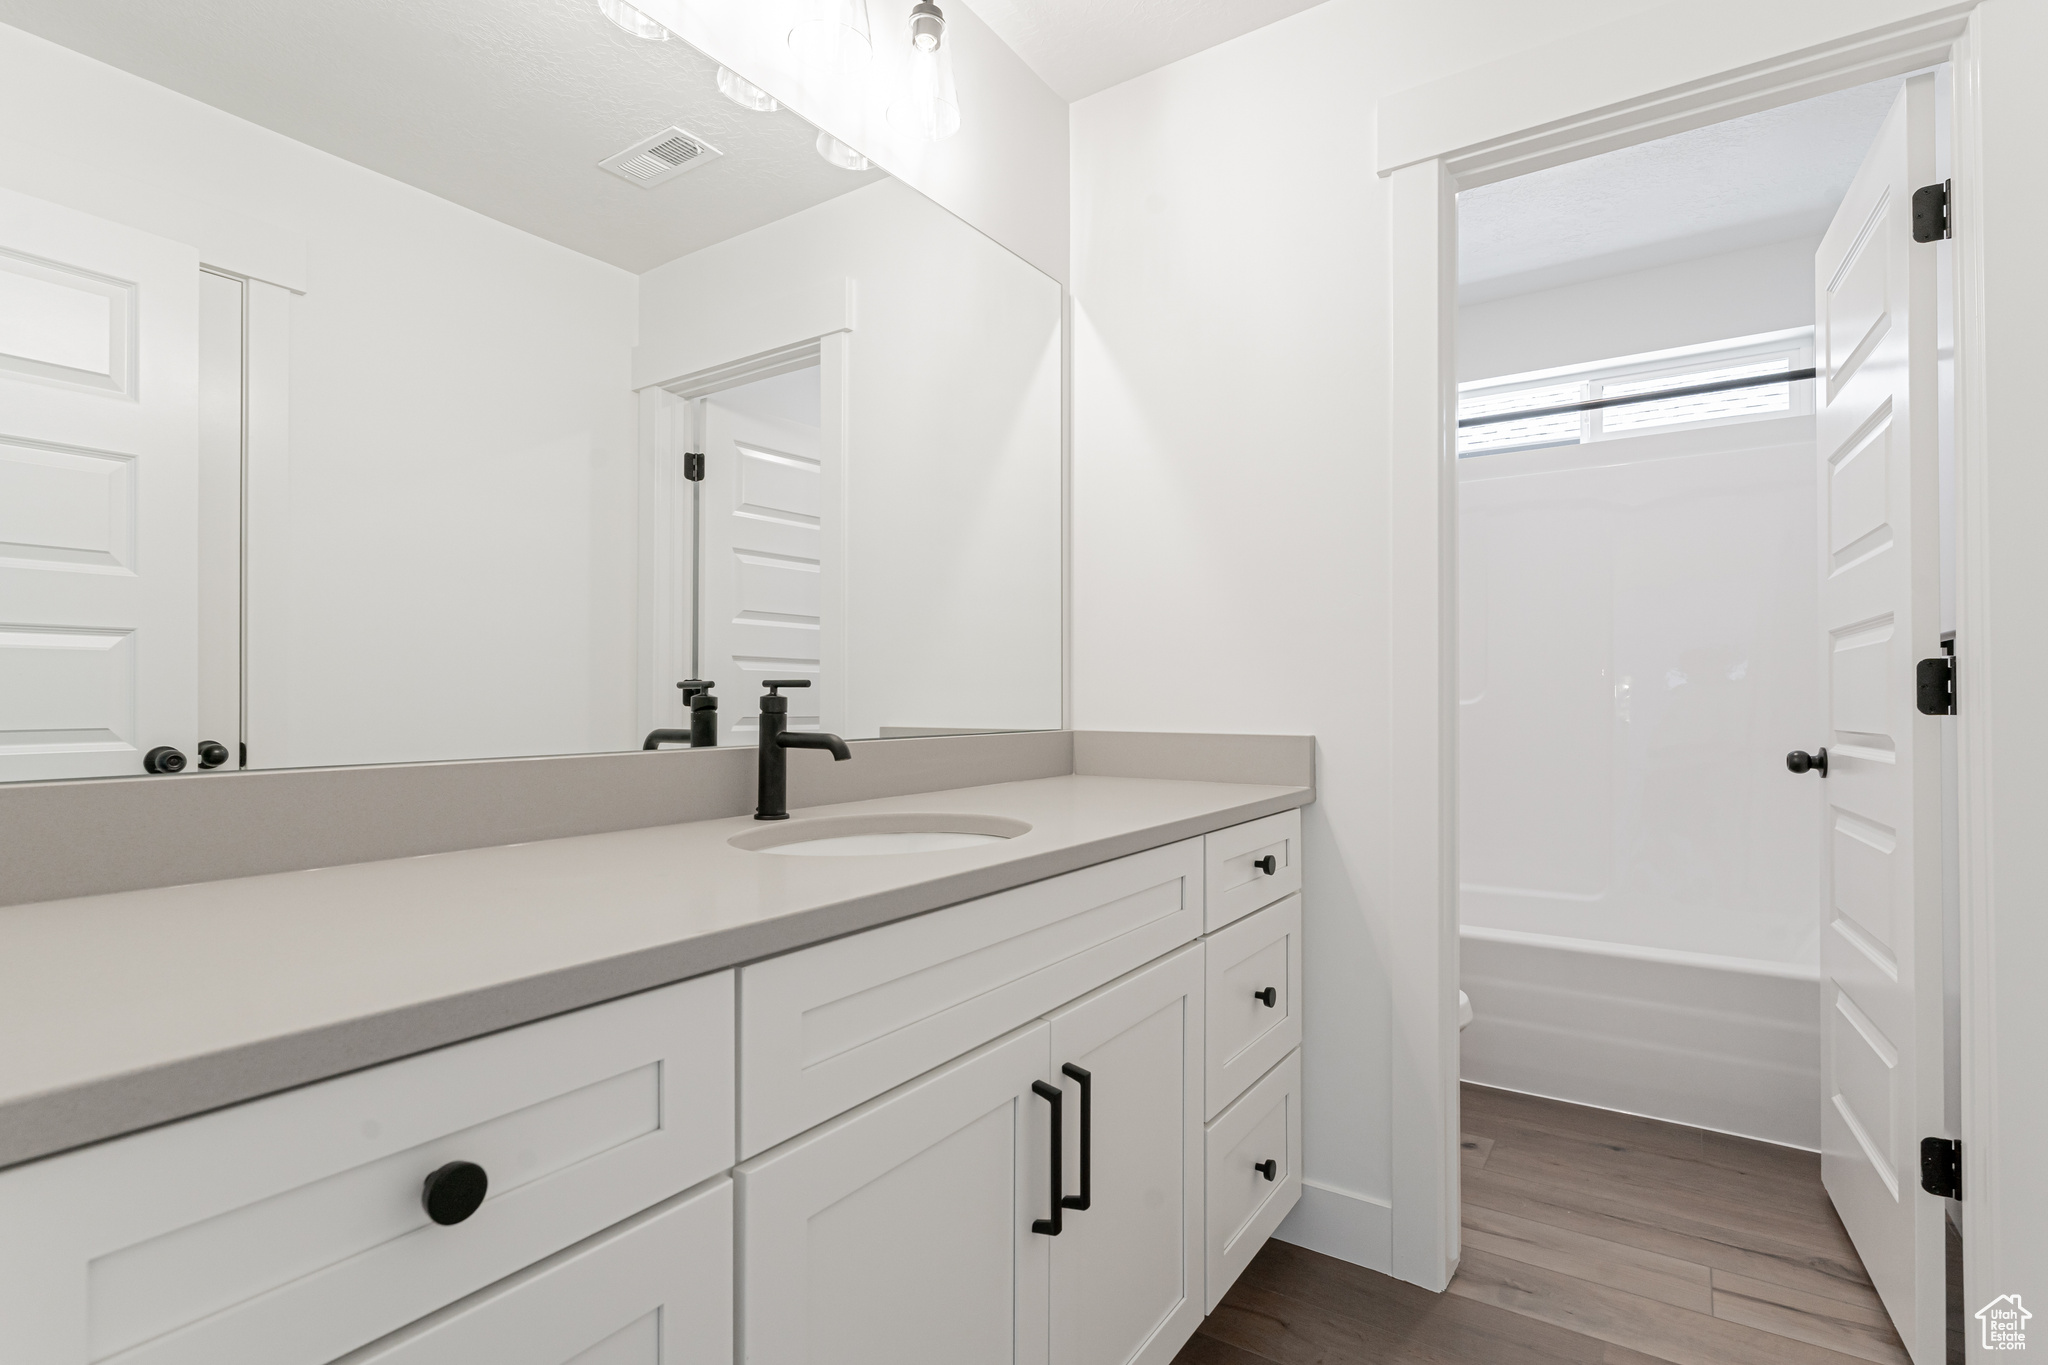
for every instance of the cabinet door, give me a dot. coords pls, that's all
(1127, 1269)
(656, 1290)
(901, 1233)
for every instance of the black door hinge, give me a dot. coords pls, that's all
(693, 466)
(1941, 1167)
(1936, 679)
(1931, 220)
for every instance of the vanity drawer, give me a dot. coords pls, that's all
(1259, 953)
(656, 1290)
(827, 1028)
(1234, 859)
(1244, 1206)
(289, 1230)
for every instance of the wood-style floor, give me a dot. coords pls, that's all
(1591, 1238)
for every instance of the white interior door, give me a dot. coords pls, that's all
(1127, 1270)
(765, 608)
(98, 494)
(1876, 429)
(901, 1234)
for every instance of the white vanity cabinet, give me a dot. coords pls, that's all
(926, 1227)
(1127, 1269)
(901, 1233)
(656, 1290)
(293, 1229)
(1047, 1126)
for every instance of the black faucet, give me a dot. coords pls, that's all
(773, 803)
(703, 708)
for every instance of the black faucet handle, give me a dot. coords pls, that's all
(772, 683)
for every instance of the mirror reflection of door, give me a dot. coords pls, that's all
(98, 486)
(764, 611)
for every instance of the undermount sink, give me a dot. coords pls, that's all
(859, 836)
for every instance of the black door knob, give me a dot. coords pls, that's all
(454, 1192)
(1268, 997)
(1268, 864)
(212, 753)
(163, 759)
(1800, 761)
(1268, 1168)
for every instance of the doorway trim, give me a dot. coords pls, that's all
(1545, 108)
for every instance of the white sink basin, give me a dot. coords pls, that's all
(865, 836)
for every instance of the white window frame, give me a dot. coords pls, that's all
(1794, 346)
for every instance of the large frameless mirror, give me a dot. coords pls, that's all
(385, 382)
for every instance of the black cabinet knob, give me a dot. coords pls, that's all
(1800, 761)
(163, 759)
(212, 753)
(1268, 864)
(454, 1192)
(1268, 1168)
(1268, 997)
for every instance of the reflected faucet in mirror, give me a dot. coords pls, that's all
(773, 801)
(703, 709)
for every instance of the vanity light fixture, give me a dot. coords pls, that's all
(745, 93)
(839, 154)
(932, 108)
(632, 20)
(831, 36)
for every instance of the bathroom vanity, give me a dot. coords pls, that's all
(1049, 1120)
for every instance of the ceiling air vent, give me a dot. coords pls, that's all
(664, 156)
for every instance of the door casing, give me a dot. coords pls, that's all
(1423, 183)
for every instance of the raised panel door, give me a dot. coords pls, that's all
(1880, 953)
(99, 438)
(901, 1233)
(1127, 1268)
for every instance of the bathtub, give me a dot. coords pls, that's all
(1730, 1044)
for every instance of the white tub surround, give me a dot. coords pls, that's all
(152, 1005)
(1715, 1043)
(1639, 898)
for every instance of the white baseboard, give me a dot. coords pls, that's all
(1342, 1223)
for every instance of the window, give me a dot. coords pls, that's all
(1741, 358)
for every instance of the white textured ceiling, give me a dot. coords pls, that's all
(503, 106)
(1081, 46)
(1767, 177)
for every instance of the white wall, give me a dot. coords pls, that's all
(1759, 289)
(461, 474)
(1230, 501)
(953, 469)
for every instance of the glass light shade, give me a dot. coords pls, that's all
(832, 36)
(632, 20)
(931, 109)
(839, 154)
(745, 93)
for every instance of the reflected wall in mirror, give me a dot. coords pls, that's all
(351, 410)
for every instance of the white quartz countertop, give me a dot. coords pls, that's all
(122, 1011)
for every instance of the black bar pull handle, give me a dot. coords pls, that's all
(1086, 1080)
(1269, 997)
(1268, 1168)
(1268, 864)
(1051, 1094)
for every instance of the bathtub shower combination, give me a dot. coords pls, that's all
(1640, 878)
